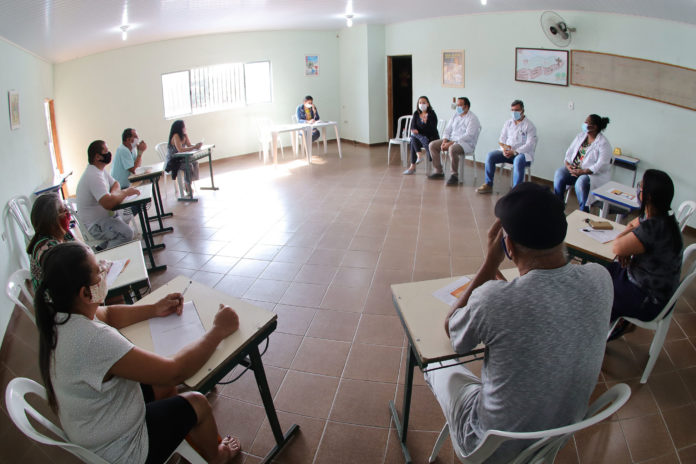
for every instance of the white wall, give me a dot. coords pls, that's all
(353, 84)
(377, 83)
(100, 95)
(24, 153)
(655, 132)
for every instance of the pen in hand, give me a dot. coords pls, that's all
(186, 289)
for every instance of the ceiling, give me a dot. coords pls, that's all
(61, 30)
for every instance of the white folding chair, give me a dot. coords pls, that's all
(510, 166)
(16, 287)
(548, 442)
(263, 134)
(20, 210)
(161, 149)
(661, 322)
(81, 231)
(402, 139)
(444, 156)
(20, 410)
(686, 209)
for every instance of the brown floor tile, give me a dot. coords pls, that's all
(372, 398)
(306, 394)
(234, 285)
(426, 413)
(373, 362)
(290, 254)
(687, 322)
(193, 261)
(221, 264)
(354, 277)
(326, 257)
(689, 378)
(641, 403)
(680, 422)
(294, 319)
(281, 271)
(364, 259)
(263, 252)
(334, 325)
(380, 330)
(248, 268)
(301, 449)
(237, 418)
(207, 278)
(316, 274)
(267, 290)
(307, 295)
(682, 353)
(245, 388)
(669, 390)
(341, 298)
(343, 443)
(647, 437)
(619, 362)
(688, 454)
(568, 454)
(281, 349)
(603, 442)
(319, 356)
(420, 446)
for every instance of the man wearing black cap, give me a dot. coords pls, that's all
(544, 332)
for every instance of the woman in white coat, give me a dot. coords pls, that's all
(587, 161)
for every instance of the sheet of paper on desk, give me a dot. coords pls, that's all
(130, 198)
(115, 270)
(172, 333)
(602, 236)
(449, 294)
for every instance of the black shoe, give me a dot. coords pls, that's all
(437, 175)
(453, 180)
(622, 328)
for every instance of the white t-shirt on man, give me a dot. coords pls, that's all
(93, 185)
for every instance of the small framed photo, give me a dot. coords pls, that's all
(541, 66)
(453, 68)
(13, 100)
(311, 65)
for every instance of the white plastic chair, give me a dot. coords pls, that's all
(686, 209)
(444, 156)
(20, 210)
(661, 322)
(81, 231)
(16, 287)
(441, 126)
(297, 140)
(161, 149)
(510, 166)
(548, 442)
(19, 410)
(263, 134)
(403, 138)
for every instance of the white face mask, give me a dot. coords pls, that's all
(423, 106)
(308, 105)
(99, 290)
(136, 142)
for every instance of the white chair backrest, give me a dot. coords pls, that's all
(161, 150)
(20, 210)
(19, 410)
(293, 118)
(686, 209)
(549, 441)
(403, 127)
(441, 126)
(263, 129)
(689, 273)
(16, 287)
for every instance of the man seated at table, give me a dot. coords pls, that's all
(308, 113)
(97, 194)
(517, 142)
(129, 157)
(544, 332)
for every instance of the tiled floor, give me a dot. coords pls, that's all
(320, 245)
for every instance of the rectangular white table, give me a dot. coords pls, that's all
(134, 275)
(193, 155)
(614, 193)
(423, 318)
(242, 347)
(306, 130)
(584, 247)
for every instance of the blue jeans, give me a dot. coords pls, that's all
(563, 179)
(419, 141)
(315, 135)
(519, 163)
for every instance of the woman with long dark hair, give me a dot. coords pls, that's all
(423, 131)
(98, 381)
(649, 253)
(51, 221)
(178, 141)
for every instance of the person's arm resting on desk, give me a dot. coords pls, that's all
(116, 196)
(150, 368)
(627, 244)
(120, 316)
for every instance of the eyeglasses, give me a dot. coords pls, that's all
(502, 244)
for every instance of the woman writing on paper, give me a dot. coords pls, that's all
(587, 162)
(99, 382)
(649, 253)
(423, 131)
(179, 142)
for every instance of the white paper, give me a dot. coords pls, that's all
(170, 334)
(602, 236)
(115, 270)
(130, 198)
(445, 294)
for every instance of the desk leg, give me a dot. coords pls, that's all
(147, 236)
(402, 428)
(210, 165)
(157, 201)
(308, 143)
(274, 148)
(158, 193)
(260, 374)
(605, 209)
(323, 133)
(338, 141)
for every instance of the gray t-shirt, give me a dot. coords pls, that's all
(108, 418)
(94, 184)
(545, 334)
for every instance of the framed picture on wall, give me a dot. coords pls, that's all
(453, 68)
(311, 65)
(13, 101)
(541, 66)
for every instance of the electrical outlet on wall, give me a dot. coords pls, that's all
(571, 105)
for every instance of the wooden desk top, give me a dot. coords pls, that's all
(135, 271)
(576, 240)
(252, 321)
(423, 317)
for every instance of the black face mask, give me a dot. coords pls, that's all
(106, 157)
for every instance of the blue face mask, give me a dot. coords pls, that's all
(460, 109)
(516, 115)
(584, 127)
(504, 247)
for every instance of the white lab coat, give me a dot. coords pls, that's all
(597, 158)
(522, 137)
(464, 130)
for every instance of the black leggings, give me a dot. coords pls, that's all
(629, 299)
(168, 422)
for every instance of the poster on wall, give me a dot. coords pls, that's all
(453, 68)
(311, 65)
(541, 66)
(13, 100)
